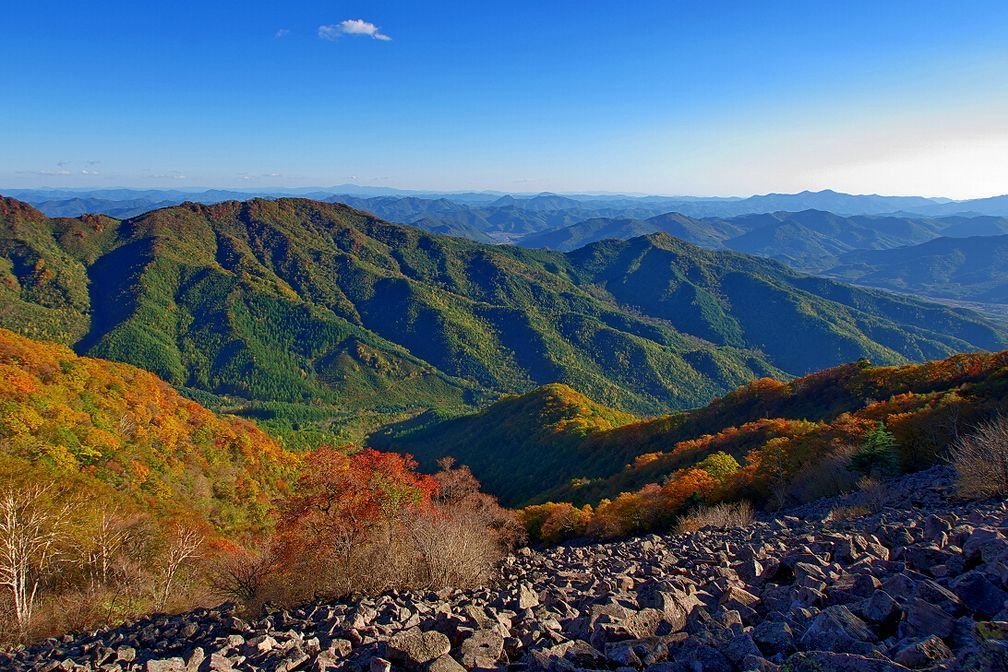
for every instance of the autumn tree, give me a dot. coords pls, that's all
(343, 507)
(720, 465)
(183, 545)
(687, 482)
(32, 525)
(565, 521)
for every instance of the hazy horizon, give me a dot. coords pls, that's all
(392, 190)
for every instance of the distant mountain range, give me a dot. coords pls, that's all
(296, 306)
(504, 217)
(810, 231)
(894, 252)
(808, 240)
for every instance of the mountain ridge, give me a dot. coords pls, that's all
(304, 303)
(595, 454)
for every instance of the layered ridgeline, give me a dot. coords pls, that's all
(296, 306)
(971, 269)
(784, 439)
(508, 217)
(119, 435)
(811, 240)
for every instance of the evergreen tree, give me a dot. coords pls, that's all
(877, 456)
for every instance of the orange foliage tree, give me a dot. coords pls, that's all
(343, 505)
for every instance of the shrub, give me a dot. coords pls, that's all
(826, 477)
(554, 522)
(367, 522)
(243, 575)
(719, 516)
(459, 542)
(874, 493)
(981, 460)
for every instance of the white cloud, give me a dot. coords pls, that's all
(88, 172)
(249, 176)
(334, 31)
(283, 32)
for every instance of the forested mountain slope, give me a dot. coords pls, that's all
(122, 435)
(316, 304)
(554, 444)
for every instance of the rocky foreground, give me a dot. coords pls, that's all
(920, 585)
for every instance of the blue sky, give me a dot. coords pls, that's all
(711, 98)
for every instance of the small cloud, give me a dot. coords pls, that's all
(62, 164)
(89, 172)
(282, 33)
(334, 31)
(249, 176)
(92, 163)
(169, 176)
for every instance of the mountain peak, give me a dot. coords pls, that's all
(12, 208)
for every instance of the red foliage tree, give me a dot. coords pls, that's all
(346, 494)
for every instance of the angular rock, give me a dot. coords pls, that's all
(482, 649)
(837, 629)
(881, 608)
(444, 663)
(979, 594)
(828, 661)
(739, 648)
(220, 663)
(414, 648)
(527, 597)
(174, 664)
(125, 654)
(923, 653)
(924, 619)
(774, 637)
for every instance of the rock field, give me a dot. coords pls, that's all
(919, 585)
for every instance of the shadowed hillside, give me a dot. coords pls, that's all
(553, 444)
